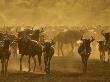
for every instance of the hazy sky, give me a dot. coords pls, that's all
(54, 12)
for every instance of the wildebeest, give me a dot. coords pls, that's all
(29, 48)
(48, 51)
(69, 36)
(29, 45)
(4, 55)
(106, 46)
(102, 50)
(85, 50)
(107, 36)
(103, 47)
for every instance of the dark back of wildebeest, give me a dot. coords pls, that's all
(103, 46)
(26, 32)
(4, 49)
(29, 47)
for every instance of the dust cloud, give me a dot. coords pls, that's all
(54, 12)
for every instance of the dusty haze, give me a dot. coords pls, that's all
(54, 12)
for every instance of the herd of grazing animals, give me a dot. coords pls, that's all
(30, 44)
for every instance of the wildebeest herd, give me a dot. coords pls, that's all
(32, 43)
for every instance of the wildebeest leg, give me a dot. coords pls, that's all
(16, 51)
(85, 64)
(104, 56)
(47, 68)
(2, 62)
(39, 59)
(29, 63)
(72, 46)
(101, 56)
(49, 65)
(6, 65)
(49, 62)
(108, 56)
(58, 48)
(34, 63)
(61, 48)
(46, 61)
(21, 62)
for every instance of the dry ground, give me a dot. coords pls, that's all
(63, 69)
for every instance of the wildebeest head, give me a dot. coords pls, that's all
(38, 31)
(6, 43)
(101, 42)
(87, 42)
(48, 44)
(105, 34)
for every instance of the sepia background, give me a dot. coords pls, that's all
(54, 12)
(58, 16)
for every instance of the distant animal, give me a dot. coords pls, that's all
(4, 54)
(13, 45)
(31, 48)
(2, 35)
(14, 49)
(102, 50)
(69, 36)
(107, 43)
(48, 51)
(103, 47)
(107, 36)
(85, 50)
